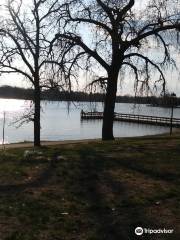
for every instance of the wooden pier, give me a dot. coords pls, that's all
(144, 119)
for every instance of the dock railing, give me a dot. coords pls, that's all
(165, 121)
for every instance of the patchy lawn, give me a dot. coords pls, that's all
(91, 191)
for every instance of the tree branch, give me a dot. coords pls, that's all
(136, 40)
(147, 60)
(108, 10)
(4, 32)
(125, 9)
(79, 42)
(15, 70)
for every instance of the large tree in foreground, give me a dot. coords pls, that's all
(25, 33)
(117, 34)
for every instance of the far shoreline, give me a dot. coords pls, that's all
(54, 95)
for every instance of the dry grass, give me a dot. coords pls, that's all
(97, 191)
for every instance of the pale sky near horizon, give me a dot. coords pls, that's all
(173, 81)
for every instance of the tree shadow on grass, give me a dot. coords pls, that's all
(152, 172)
(104, 221)
(87, 182)
(41, 180)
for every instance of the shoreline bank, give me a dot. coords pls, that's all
(45, 143)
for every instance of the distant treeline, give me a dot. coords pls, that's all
(15, 92)
(56, 95)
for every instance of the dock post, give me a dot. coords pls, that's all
(173, 97)
(82, 113)
(171, 124)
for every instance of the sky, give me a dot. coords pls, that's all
(127, 85)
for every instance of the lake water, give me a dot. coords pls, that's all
(60, 121)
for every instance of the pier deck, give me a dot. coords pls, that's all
(144, 119)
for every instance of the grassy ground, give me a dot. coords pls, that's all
(96, 191)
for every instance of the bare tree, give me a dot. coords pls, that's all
(120, 32)
(25, 33)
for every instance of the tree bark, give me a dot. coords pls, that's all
(37, 110)
(110, 99)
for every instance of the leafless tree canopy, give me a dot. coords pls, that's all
(26, 31)
(133, 30)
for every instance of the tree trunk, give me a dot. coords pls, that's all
(110, 99)
(37, 109)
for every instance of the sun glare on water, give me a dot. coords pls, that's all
(11, 105)
(10, 109)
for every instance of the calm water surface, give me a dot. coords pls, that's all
(60, 121)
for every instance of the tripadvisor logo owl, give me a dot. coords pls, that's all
(139, 231)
